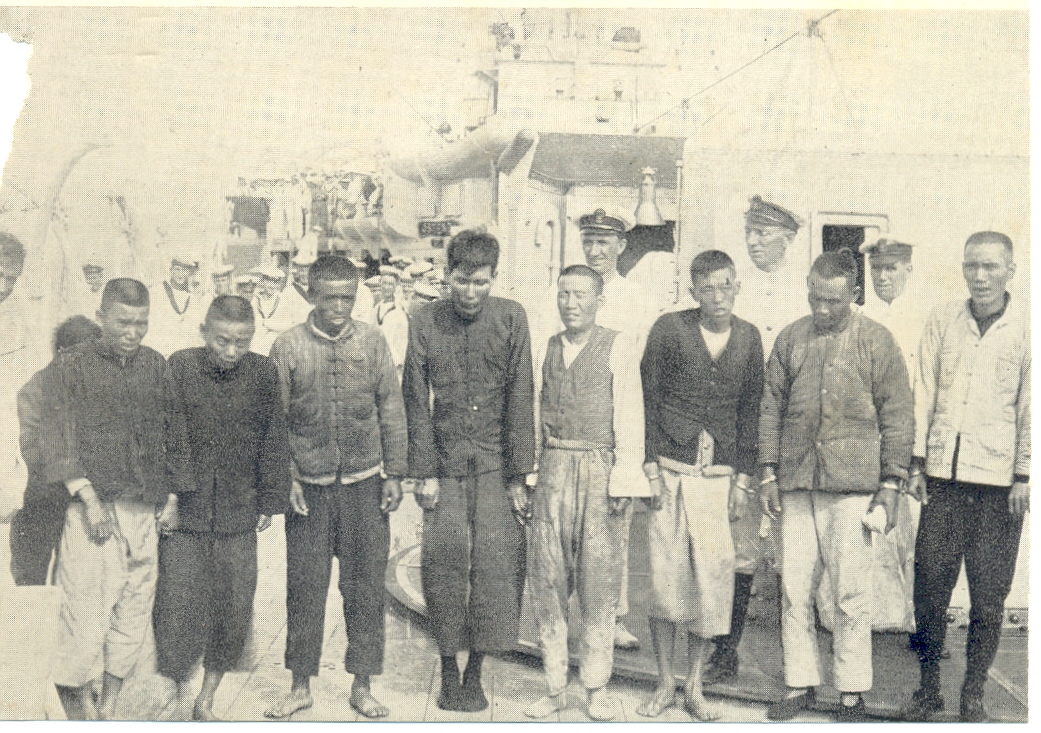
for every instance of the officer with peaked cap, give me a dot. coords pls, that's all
(899, 305)
(773, 288)
(772, 295)
(903, 308)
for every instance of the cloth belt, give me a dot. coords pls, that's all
(688, 470)
(580, 445)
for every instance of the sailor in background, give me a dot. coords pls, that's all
(424, 293)
(220, 280)
(246, 286)
(85, 298)
(390, 316)
(374, 289)
(274, 309)
(177, 310)
(773, 295)
(296, 294)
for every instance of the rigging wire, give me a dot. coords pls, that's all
(812, 27)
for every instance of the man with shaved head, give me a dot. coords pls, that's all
(239, 449)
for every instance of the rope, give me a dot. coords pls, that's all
(813, 27)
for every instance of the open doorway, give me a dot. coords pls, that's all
(833, 231)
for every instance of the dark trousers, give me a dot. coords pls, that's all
(473, 565)
(344, 521)
(203, 601)
(35, 535)
(970, 522)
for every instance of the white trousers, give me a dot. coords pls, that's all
(107, 593)
(822, 533)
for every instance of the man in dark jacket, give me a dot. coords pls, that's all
(702, 384)
(835, 435)
(348, 439)
(240, 463)
(472, 446)
(120, 449)
(36, 527)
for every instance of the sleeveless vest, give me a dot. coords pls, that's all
(578, 402)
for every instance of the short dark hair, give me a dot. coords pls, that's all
(709, 261)
(124, 290)
(330, 268)
(838, 263)
(230, 308)
(11, 248)
(472, 249)
(585, 271)
(74, 331)
(990, 238)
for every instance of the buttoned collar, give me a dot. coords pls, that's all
(345, 333)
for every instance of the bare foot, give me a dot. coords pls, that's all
(363, 701)
(293, 702)
(663, 698)
(546, 706)
(204, 712)
(602, 706)
(695, 704)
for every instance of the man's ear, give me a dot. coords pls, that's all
(622, 244)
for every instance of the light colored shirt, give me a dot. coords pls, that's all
(974, 390)
(393, 322)
(714, 342)
(771, 300)
(274, 316)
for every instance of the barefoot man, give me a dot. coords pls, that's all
(121, 452)
(592, 435)
(702, 384)
(348, 438)
(240, 461)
